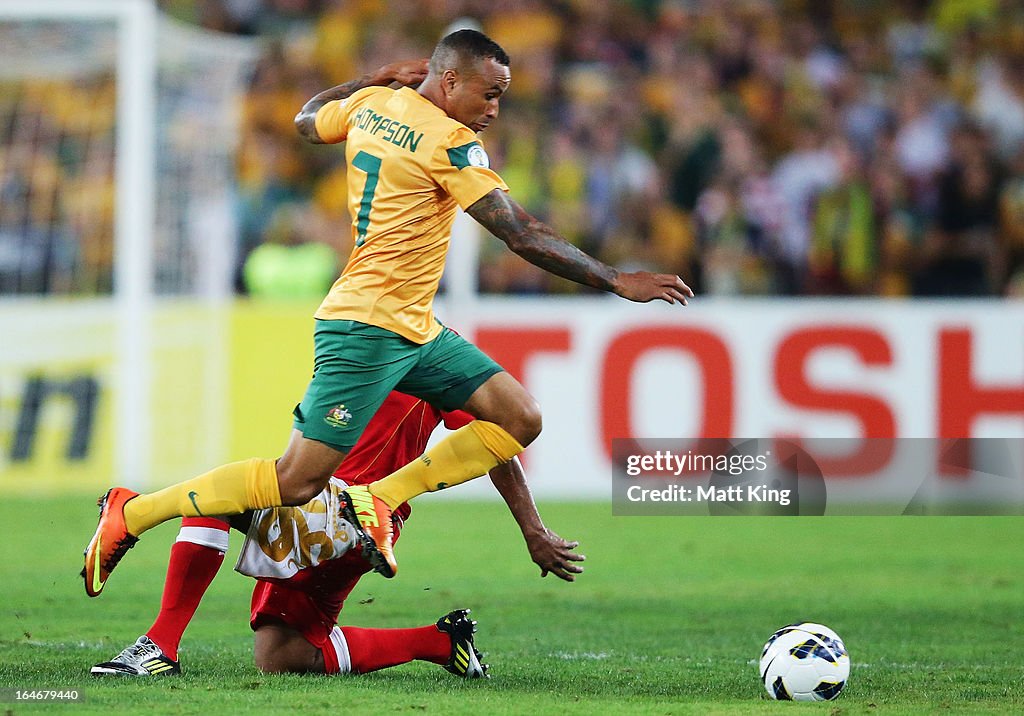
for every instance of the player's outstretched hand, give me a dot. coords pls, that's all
(554, 555)
(408, 73)
(641, 286)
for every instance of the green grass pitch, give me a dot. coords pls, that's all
(669, 617)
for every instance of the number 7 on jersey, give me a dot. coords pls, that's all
(371, 165)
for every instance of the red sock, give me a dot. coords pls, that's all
(195, 559)
(372, 649)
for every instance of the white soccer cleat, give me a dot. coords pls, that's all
(143, 658)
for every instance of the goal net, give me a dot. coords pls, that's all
(118, 135)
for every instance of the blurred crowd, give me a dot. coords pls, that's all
(756, 147)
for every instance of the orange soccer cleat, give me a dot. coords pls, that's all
(110, 542)
(371, 517)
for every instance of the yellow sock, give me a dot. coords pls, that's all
(226, 490)
(469, 452)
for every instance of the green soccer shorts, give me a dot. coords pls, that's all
(356, 365)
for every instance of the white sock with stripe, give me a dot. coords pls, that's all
(336, 657)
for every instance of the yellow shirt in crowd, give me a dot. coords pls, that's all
(409, 166)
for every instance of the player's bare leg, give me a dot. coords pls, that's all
(503, 400)
(305, 468)
(279, 649)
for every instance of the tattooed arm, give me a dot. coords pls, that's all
(539, 244)
(406, 74)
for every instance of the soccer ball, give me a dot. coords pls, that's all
(804, 662)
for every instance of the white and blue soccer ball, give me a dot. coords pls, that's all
(804, 662)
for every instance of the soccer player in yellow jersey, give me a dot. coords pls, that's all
(413, 158)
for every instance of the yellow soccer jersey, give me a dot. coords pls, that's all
(409, 166)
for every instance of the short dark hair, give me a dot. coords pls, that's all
(466, 44)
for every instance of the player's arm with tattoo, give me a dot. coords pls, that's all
(539, 244)
(406, 74)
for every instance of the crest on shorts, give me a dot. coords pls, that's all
(338, 416)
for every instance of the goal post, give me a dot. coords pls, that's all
(134, 232)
